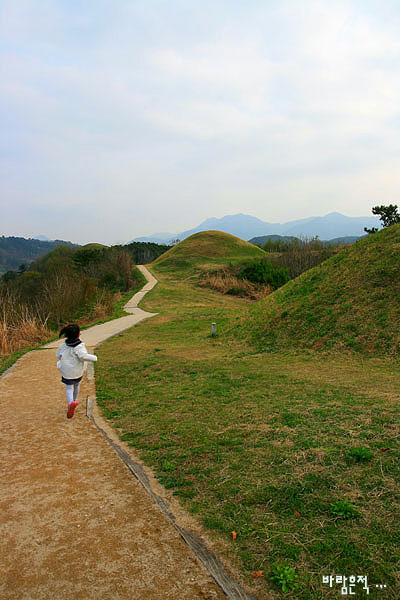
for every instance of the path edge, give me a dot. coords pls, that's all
(214, 566)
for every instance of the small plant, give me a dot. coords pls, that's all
(168, 466)
(343, 509)
(285, 576)
(357, 455)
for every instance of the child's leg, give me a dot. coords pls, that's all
(69, 390)
(76, 390)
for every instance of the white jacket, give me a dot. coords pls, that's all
(71, 363)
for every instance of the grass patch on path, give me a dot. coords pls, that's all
(295, 452)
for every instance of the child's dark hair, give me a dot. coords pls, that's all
(71, 331)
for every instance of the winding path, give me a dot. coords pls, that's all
(74, 524)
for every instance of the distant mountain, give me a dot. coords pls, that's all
(346, 240)
(156, 238)
(42, 238)
(239, 225)
(331, 226)
(15, 251)
(262, 240)
(246, 227)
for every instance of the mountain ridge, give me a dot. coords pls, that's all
(244, 226)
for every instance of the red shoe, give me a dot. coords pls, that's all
(71, 410)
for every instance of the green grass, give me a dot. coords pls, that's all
(349, 302)
(259, 443)
(203, 252)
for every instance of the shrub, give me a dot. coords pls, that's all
(225, 282)
(20, 325)
(261, 271)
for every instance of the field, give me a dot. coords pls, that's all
(296, 451)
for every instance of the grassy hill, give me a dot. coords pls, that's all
(349, 301)
(204, 251)
(94, 245)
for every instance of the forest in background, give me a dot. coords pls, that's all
(15, 251)
(67, 284)
(18, 251)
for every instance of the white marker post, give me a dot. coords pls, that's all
(213, 329)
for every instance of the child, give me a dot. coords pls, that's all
(72, 354)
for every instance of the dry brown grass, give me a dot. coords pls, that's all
(224, 282)
(103, 308)
(20, 327)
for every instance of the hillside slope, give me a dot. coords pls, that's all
(349, 301)
(206, 250)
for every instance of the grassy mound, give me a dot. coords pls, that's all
(204, 251)
(349, 301)
(94, 245)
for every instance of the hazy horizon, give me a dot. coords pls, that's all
(41, 236)
(122, 119)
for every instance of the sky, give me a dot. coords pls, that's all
(121, 118)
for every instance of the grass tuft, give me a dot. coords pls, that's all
(343, 509)
(358, 455)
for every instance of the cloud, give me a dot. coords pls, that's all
(195, 109)
(223, 68)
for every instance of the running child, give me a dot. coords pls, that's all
(71, 354)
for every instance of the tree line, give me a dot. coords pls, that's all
(15, 251)
(66, 284)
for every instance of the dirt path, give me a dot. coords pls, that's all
(74, 523)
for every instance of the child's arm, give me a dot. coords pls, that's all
(59, 356)
(83, 354)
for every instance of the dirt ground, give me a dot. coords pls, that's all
(74, 523)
